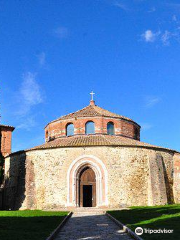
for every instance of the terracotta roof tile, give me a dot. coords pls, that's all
(94, 140)
(92, 111)
(2, 125)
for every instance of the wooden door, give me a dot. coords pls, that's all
(87, 187)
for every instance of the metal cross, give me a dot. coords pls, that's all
(92, 95)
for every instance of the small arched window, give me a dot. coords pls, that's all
(70, 129)
(110, 128)
(90, 127)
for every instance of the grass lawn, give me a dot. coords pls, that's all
(28, 224)
(167, 217)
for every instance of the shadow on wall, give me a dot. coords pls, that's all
(166, 178)
(168, 184)
(14, 183)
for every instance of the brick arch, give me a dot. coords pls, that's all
(101, 179)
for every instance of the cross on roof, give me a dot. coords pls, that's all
(92, 95)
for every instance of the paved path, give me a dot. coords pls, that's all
(91, 226)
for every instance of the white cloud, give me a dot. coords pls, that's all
(121, 5)
(27, 123)
(152, 101)
(29, 94)
(153, 9)
(61, 32)
(42, 58)
(150, 36)
(22, 104)
(174, 18)
(165, 37)
(146, 126)
(30, 90)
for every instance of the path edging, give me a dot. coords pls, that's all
(56, 231)
(125, 228)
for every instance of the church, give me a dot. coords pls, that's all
(91, 158)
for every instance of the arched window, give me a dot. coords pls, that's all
(90, 128)
(110, 128)
(70, 129)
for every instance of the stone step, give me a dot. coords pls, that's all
(91, 210)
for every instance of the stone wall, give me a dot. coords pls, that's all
(136, 176)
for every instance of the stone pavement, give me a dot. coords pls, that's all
(91, 226)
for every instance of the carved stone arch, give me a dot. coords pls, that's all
(100, 175)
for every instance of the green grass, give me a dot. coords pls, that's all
(167, 217)
(28, 224)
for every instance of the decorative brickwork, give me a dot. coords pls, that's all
(101, 117)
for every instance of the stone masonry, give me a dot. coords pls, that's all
(37, 179)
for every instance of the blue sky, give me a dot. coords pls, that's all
(54, 52)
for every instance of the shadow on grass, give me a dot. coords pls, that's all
(28, 228)
(98, 227)
(161, 217)
(141, 214)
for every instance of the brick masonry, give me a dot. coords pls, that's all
(122, 127)
(6, 138)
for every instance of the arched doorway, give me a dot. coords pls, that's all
(87, 188)
(76, 170)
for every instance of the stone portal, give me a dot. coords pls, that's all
(87, 182)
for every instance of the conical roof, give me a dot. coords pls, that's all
(92, 110)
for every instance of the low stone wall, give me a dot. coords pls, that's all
(38, 179)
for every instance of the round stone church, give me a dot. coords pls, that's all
(91, 158)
